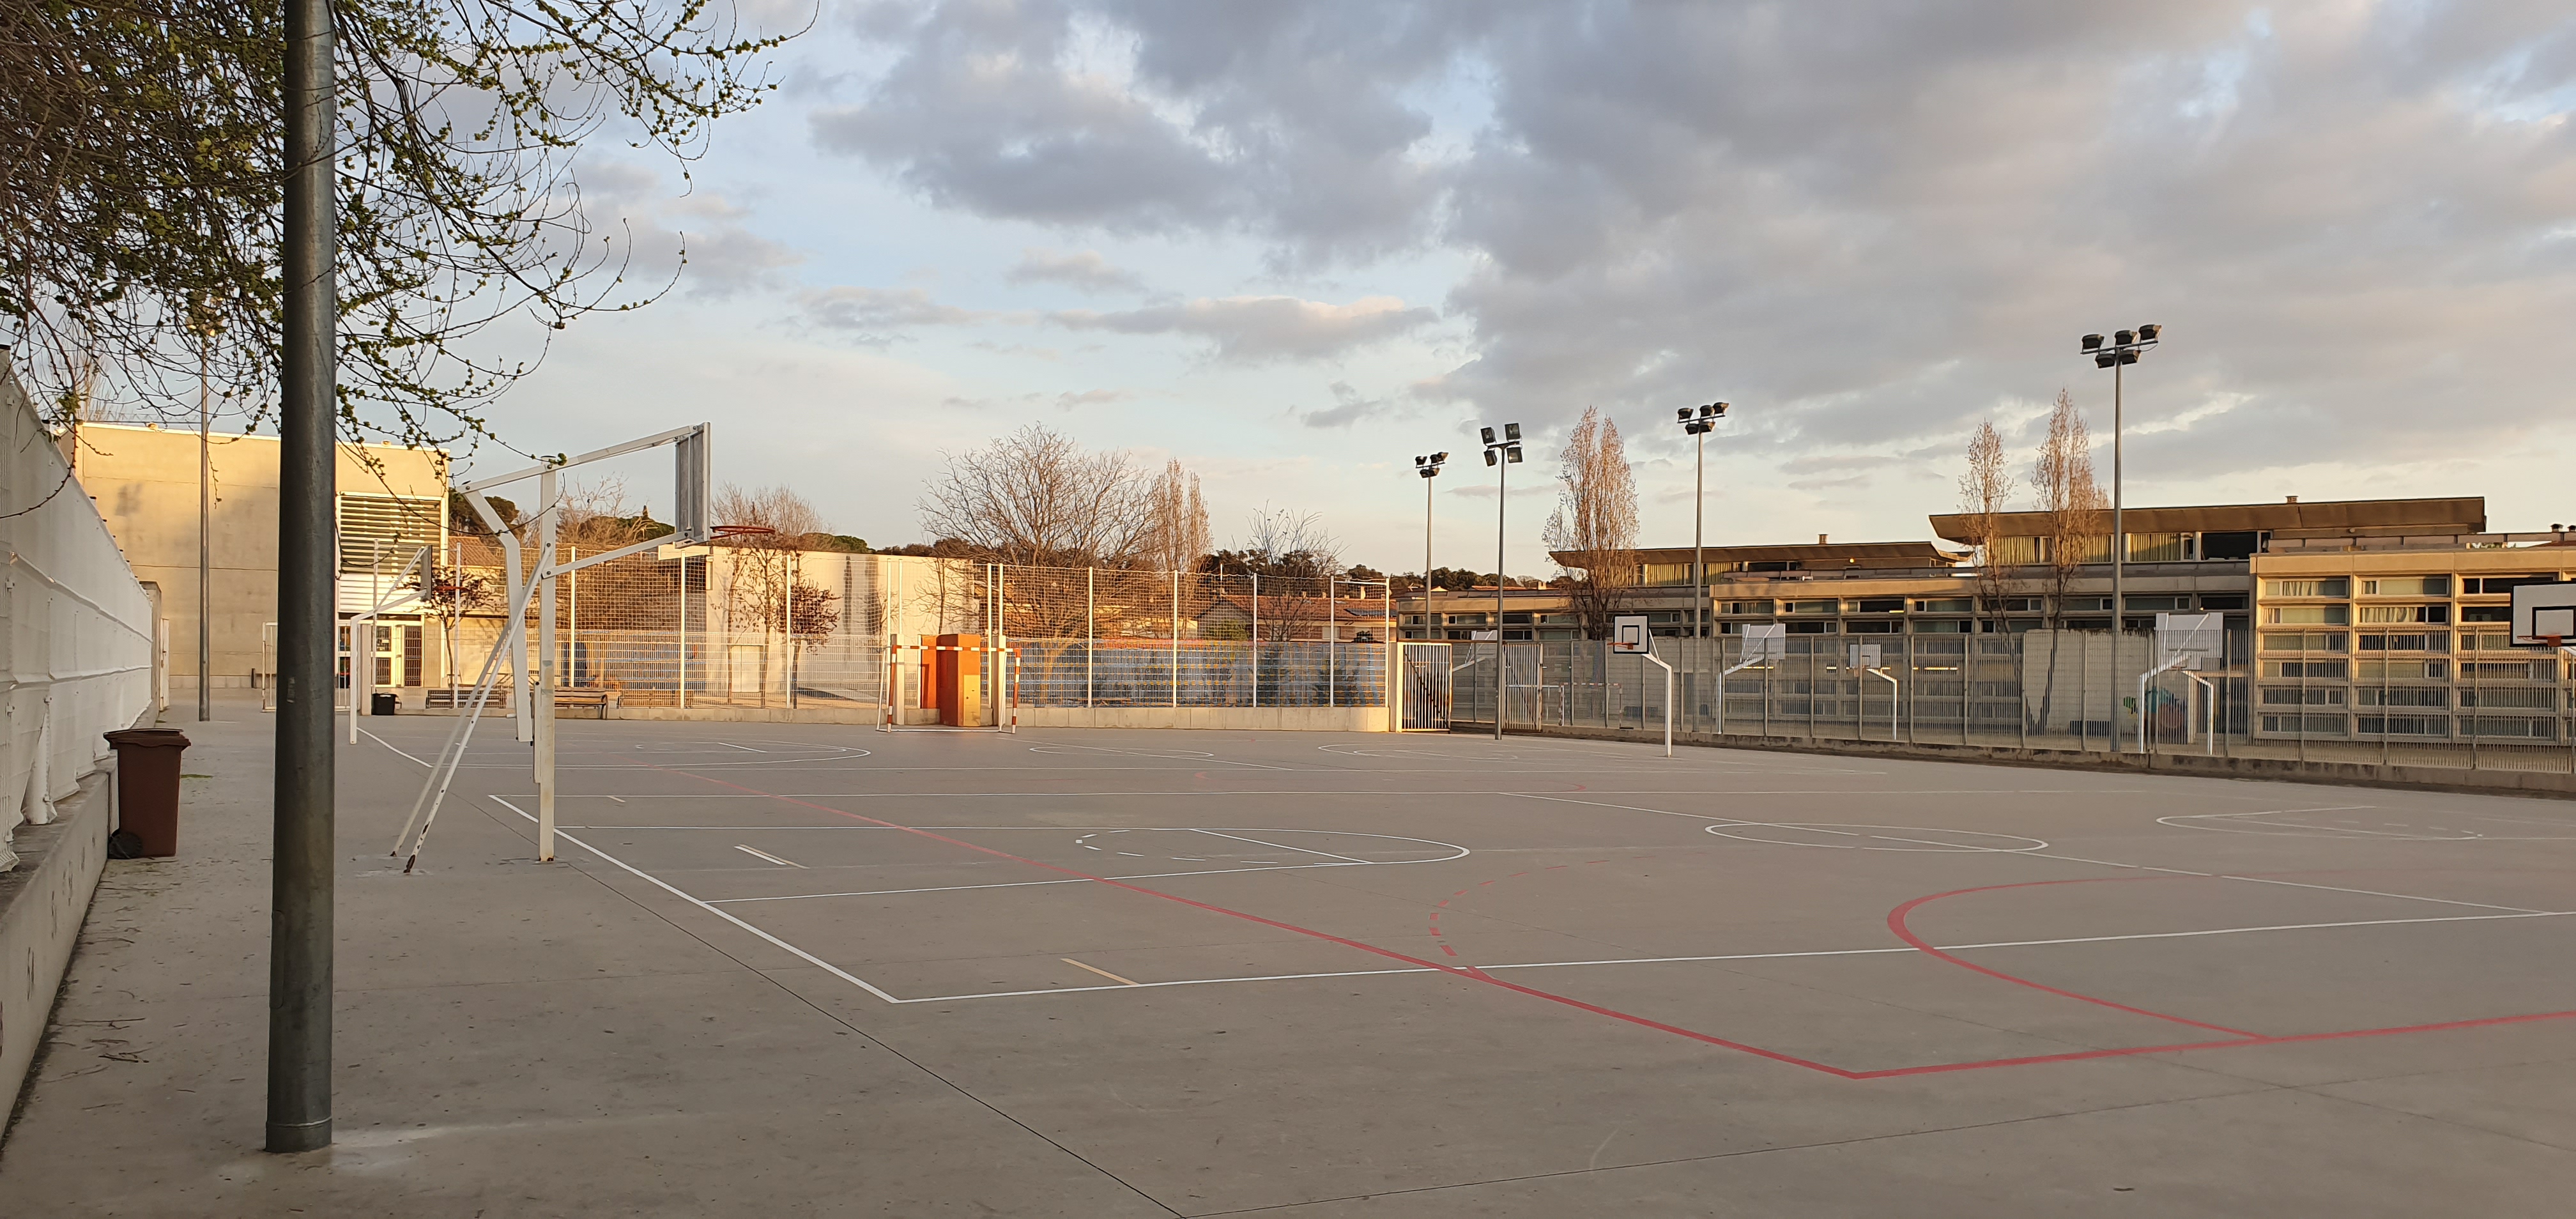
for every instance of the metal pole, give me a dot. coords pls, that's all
(1502, 490)
(2119, 557)
(683, 693)
(1090, 632)
(572, 613)
(543, 698)
(300, 927)
(1426, 561)
(1256, 640)
(205, 536)
(1175, 671)
(1699, 562)
(1332, 645)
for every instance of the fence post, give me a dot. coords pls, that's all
(1256, 641)
(683, 692)
(1174, 672)
(1090, 634)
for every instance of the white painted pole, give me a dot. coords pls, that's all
(544, 695)
(1332, 645)
(1176, 638)
(684, 630)
(1090, 634)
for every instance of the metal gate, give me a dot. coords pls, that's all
(1424, 670)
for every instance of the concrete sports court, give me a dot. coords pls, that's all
(794, 969)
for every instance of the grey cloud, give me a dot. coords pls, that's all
(1084, 269)
(1259, 328)
(874, 315)
(1348, 408)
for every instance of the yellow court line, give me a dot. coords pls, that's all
(1098, 970)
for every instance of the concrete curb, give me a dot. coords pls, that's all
(42, 904)
(2342, 774)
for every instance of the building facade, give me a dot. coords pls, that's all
(392, 501)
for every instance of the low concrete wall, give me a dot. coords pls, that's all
(1268, 719)
(42, 903)
(2345, 774)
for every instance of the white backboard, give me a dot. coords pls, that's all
(1865, 655)
(1485, 636)
(2544, 614)
(2198, 640)
(1630, 636)
(1769, 642)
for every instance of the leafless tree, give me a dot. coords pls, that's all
(769, 587)
(2071, 502)
(1037, 498)
(1595, 524)
(1983, 491)
(1178, 526)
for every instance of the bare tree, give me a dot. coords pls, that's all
(1595, 524)
(1037, 498)
(1983, 491)
(2071, 502)
(1178, 522)
(769, 586)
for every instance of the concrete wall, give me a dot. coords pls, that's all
(42, 903)
(1271, 719)
(144, 482)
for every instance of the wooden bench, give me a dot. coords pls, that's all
(602, 700)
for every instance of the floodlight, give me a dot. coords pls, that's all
(2148, 331)
(2125, 337)
(1437, 458)
(2106, 359)
(2092, 342)
(1511, 431)
(1714, 408)
(1683, 414)
(1489, 435)
(1489, 453)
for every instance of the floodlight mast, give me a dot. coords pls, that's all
(1501, 454)
(1699, 423)
(2122, 350)
(1429, 468)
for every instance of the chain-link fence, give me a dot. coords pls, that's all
(2491, 707)
(744, 626)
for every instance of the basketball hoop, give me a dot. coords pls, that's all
(723, 532)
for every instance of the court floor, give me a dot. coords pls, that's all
(1361, 974)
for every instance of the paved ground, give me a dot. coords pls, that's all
(788, 970)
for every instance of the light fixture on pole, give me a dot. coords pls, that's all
(1429, 468)
(1501, 454)
(2122, 350)
(1699, 422)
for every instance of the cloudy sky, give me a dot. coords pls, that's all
(1295, 244)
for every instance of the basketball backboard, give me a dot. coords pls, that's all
(1865, 655)
(1769, 642)
(2197, 640)
(2544, 615)
(1630, 636)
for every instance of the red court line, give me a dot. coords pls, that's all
(1472, 974)
(1896, 923)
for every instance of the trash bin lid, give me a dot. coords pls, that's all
(148, 738)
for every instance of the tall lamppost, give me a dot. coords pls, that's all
(1501, 454)
(1428, 468)
(1699, 423)
(2123, 350)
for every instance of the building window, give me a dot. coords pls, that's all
(2336, 586)
(1665, 574)
(2334, 669)
(2017, 552)
(2402, 696)
(2504, 584)
(1811, 628)
(2237, 545)
(1745, 607)
(2327, 615)
(2083, 605)
(2296, 696)
(2422, 641)
(2486, 613)
(1867, 626)
(1940, 626)
(1810, 607)
(2404, 613)
(2407, 586)
(2308, 641)
(2509, 670)
(2222, 601)
(1946, 605)
(1881, 605)
(2527, 698)
(2404, 670)
(2308, 725)
(2157, 548)
(2148, 604)
(2406, 725)
(2525, 727)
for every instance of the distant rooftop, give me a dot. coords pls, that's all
(2287, 520)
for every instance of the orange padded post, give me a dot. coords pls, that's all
(961, 685)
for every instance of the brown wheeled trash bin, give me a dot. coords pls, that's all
(147, 786)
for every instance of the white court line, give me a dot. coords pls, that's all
(1373, 793)
(761, 853)
(744, 748)
(1757, 956)
(1303, 850)
(667, 887)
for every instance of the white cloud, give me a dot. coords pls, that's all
(1084, 269)
(1259, 328)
